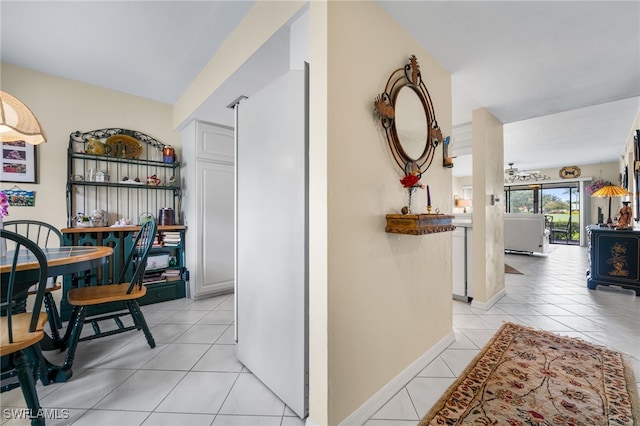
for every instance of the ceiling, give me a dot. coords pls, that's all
(564, 77)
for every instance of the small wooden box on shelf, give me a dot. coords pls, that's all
(418, 224)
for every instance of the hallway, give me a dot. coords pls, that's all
(193, 377)
(551, 294)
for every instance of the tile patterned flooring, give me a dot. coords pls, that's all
(193, 377)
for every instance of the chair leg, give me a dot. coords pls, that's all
(28, 386)
(138, 319)
(75, 324)
(54, 317)
(39, 366)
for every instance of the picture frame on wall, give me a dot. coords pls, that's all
(19, 162)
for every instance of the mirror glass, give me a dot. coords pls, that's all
(411, 123)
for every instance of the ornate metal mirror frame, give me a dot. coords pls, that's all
(386, 105)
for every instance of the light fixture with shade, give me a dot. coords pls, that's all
(18, 123)
(461, 202)
(611, 191)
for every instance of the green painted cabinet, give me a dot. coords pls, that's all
(170, 285)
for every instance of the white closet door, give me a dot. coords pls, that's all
(271, 237)
(215, 259)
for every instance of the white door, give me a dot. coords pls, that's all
(209, 208)
(271, 238)
(215, 257)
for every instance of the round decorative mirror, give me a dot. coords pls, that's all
(411, 123)
(406, 113)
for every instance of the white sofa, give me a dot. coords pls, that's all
(525, 233)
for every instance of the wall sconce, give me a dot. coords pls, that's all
(461, 202)
(18, 123)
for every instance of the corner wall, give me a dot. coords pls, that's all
(389, 295)
(488, 216)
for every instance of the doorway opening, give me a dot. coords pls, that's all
(559, 202)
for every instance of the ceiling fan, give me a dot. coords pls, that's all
(514, 171)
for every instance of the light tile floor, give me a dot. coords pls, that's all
(551, 295)
(192, 377)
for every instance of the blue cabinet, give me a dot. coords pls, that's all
(614, 258)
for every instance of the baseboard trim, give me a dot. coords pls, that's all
(373, 404)
(217, 292)
(485, 306)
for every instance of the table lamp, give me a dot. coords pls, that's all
(17, 122)
(610, 191)
(461, 202)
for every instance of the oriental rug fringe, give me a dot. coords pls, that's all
(525, 376)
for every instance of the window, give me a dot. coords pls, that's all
(561, 201)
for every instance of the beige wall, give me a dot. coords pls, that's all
(488, 223)
(389, 295)
(318, 211)
(64, 106)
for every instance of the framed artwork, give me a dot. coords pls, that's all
(18, 162)
(20, 197)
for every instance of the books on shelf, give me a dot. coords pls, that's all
(171, 274)
(171, 238)
(153, 278)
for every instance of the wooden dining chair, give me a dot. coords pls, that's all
(44, 235)
(82, 298)
(22, 331)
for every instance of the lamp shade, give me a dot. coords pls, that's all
(17, 122)
(610, 191)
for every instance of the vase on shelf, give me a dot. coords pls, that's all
(410, 192)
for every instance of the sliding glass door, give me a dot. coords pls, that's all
(559, 202)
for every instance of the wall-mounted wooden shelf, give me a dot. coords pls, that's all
(418, 224)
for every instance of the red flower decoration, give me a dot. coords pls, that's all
(409, 181)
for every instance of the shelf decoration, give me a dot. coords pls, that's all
(412, 183)
(408, 118)
(418, 224)
(570, 172)
(407, 115)
(122, 171)
(446, 160)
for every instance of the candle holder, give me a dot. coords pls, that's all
(428, 209)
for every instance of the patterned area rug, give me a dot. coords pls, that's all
(525, 377)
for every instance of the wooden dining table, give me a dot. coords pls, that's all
(60, 261)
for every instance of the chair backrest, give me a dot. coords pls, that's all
(16, 283)
(41, 233)
(139, 254)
